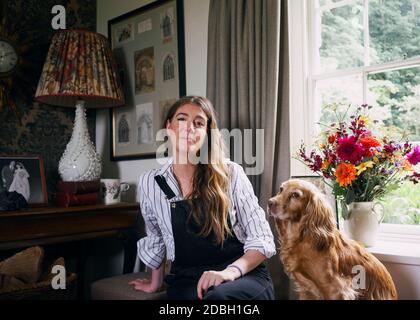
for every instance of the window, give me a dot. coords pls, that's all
(368, 51)
(358, 51)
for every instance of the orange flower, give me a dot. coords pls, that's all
(407, 166)
(332, 138)
(345, 174)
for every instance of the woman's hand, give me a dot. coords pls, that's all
(150, 285)
(144, 285)
(214, 278)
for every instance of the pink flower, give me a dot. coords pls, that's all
(414, 156)
(349, 149)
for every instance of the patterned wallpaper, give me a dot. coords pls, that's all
(43, 130)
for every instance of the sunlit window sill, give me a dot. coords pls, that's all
(397, 252)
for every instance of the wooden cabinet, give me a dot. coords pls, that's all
(55, 225)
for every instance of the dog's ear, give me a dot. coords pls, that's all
(318, 223)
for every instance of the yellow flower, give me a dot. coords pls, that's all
(325, 164)
(363, 166)
(375, 159)
(365, 120)
(322, 145)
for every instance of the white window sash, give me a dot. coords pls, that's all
(384, 67)
(399, 232)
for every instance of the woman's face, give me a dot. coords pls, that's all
(187, 129)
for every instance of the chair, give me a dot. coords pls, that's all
(117, 288)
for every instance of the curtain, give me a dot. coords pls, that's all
(248, 83)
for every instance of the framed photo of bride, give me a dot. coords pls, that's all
(24, 174)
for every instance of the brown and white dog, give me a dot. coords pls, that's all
(323, 263)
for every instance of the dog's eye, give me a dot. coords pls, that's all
(281, 190)
(295, 195)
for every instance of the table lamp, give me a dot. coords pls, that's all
(80, 72)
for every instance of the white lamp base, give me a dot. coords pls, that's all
(80, 161)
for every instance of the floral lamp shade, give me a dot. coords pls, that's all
(80, 65)
(80, 72)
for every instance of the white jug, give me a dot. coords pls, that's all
(363, 222)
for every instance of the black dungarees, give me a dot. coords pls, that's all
(195, 254)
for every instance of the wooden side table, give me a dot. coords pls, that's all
(54, 225)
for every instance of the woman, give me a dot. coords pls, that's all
(203, 216)
(20, 181)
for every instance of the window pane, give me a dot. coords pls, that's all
(403, 205)
(326, 2)
(394, 29)
(341, 43)
(343, 90)
(396, 94)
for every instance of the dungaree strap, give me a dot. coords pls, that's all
(165, 187)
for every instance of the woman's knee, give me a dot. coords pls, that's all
(216, 293)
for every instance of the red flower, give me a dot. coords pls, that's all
(390, 148)
(369, 142)
(415, 178)
(349, 149)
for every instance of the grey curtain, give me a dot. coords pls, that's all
(247, 81)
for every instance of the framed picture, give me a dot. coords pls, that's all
(325, 189)
(148, 44)
(25, 175)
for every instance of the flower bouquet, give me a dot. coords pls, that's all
(359, 160)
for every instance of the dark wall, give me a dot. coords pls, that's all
(37, 128)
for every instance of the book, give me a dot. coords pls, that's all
(63, 199)
(78, 187)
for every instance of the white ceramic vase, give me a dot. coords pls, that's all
(363, 222)
(80, 161)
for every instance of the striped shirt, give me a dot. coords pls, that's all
(248, 219)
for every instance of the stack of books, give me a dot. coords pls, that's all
(77, 193)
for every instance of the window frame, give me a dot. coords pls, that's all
(302, 55)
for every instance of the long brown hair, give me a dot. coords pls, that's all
(209, 198)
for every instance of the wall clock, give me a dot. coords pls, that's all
(22, 54)
(8, 57)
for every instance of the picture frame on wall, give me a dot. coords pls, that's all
(148, 45)
(24, 174)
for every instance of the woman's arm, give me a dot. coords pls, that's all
(245, 264)
(151, 249)
(248, 262)
(258, 238)
(253, 228)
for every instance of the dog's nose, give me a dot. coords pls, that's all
(271, 203)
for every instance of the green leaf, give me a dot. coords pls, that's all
(350, 196)
(339, 191)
